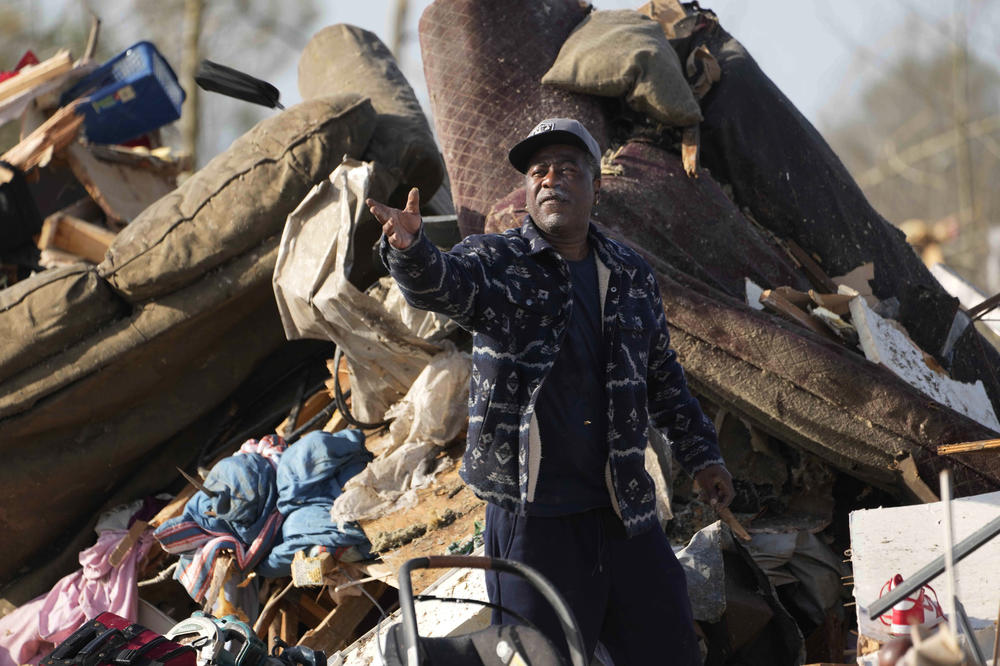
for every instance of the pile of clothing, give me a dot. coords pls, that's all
(266, 502)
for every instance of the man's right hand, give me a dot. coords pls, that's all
(401, 227)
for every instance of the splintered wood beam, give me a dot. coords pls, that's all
(775, 302)
(816, 275)
(963, 447)
(35, 75)
(51, 137)
(338, 627)
(799, 299)
(76, 236)
(690, 140)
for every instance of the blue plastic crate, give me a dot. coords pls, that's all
(131, 94)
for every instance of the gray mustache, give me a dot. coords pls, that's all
(553, 195)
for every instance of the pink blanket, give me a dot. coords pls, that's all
(34, 629)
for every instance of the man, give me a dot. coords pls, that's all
(571, 361)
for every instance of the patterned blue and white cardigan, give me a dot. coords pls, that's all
(512, 291)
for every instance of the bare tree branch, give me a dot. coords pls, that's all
(927, 148)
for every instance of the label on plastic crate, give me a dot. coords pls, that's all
(126, 94)
(104, 103)
(122, 95)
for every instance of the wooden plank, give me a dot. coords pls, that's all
(838, 304)
(990, 303)
(273, 631)
(729, 519)
(816, 275)
(125, 545)
(174, 508)
(775, 302)
(313, 406)
(70, 234)
(35, 75)
(450, 498)
(312, 609)
(289, 614)
(963, 447)
(690, 140)
(911, 479)
(310, 571)
(338, 627)
(220, 572)
(799, 299)
(123, 188)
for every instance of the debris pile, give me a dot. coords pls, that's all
(239, 327)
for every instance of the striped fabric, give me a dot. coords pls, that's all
(241, 517)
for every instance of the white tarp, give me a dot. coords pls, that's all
(316, 300)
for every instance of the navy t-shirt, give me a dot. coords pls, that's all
(572, 409)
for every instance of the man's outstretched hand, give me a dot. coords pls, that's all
(401, 227)
(715, 486)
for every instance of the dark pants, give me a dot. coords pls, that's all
(629, 593)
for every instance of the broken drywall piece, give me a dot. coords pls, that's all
(753, 292)
(842, 329)
(883, 344)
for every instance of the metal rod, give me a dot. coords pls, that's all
(949, 549)
(963, 622)
(996, 641)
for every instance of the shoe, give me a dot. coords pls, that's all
(917, 609)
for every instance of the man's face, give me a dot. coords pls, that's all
(560, 189)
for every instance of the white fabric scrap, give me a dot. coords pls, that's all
(430, 416)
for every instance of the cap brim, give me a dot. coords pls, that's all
(520, 154)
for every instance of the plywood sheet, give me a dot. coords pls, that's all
(122, 190)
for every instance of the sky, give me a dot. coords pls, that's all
(819, 52)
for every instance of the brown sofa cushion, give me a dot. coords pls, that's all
(51, 310)
(343, 59)
(238, 199)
